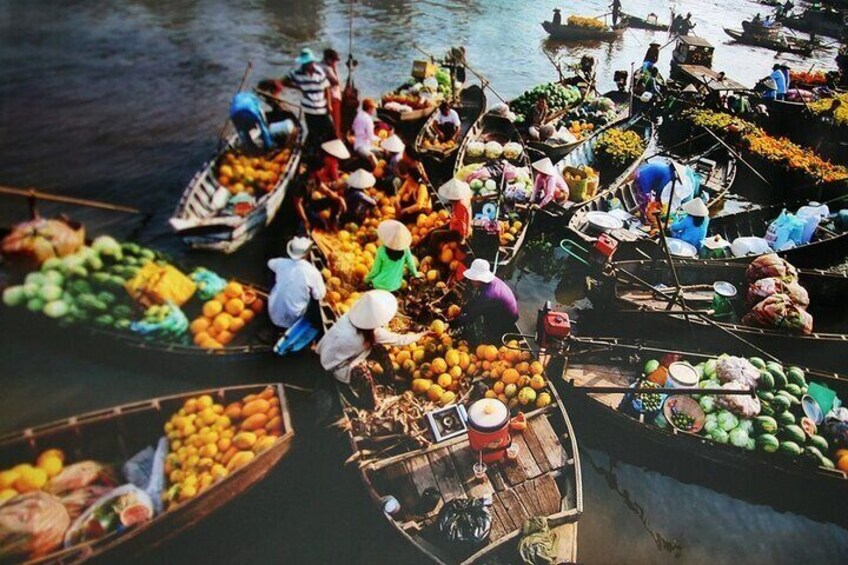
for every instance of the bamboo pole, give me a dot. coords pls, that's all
(34, 194)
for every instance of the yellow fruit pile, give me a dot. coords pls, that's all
(254, 175)
(26, 478)
(434, 143)
(620, 146)
(209, 441)
(821, 106)
(509, 231)
(583, 21)
(225, 315)
(425, 223)
(513, 376)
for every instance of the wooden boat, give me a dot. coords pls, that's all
(775, 42)
(821, 22)
(648, 23)
(491, 127)
(716, 167)
(199, 220)
(114, 435)
(584, 155)
(753, 475)
(472, 103)
(640, 293)
(565, 32)
(556, 150)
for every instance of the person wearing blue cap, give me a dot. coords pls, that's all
(315, 97)
(246, 113)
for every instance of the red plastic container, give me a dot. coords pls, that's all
(488, 428)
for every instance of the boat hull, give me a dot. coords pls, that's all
(566, 32)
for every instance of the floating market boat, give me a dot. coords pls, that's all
(237, 193)
(774, 41)
(115, 435)
(650, 23)
(641, 293)
(566, 32)
(472, 103)
(494, 129)
(825, 21)
(778, 471)
(716, 168)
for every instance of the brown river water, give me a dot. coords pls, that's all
(123, 100)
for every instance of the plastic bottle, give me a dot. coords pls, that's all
(812, 214)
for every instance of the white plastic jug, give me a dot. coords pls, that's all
(812, 214)
(743, 246)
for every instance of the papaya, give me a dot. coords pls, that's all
(258, 406)
(233, 411)
(240, 459)
(264, 444)
(267, 394)
(255, 422)
(244, 440)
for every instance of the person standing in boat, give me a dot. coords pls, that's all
(297, 288)
(246, 113)
(447, 122)
(393, 258)
(652, 55)
(315, 98)
(693, 227)
(326, 209)
(687, 25)
(548, 183)
(362, 129)
(779, 81)
(493, 302)
(330, 66)
(459, 228)
(616, 11)
(557, 19)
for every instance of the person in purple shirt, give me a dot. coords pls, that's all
(494, 302)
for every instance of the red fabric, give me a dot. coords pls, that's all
(460, 221)
(336, 114)
(329, 172)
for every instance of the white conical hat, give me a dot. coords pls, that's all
(393, 144)
(361, 179)
(394, 235)
(373, 310)
(480, 271)
(336, 148)
(544, 166)
(455, 189)
(696, 207)
(680, 170)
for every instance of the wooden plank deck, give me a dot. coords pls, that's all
(600, 375)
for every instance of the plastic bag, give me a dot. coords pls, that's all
(737, 369)
(80, 475)
(778, 311)
(120, 508)
(771, 265)
(743, 405)
(779, 230)
(146, 470)
(41, 239)
(31, 525)
(208, 283)
(76, 501)
(763, 288)
(465, 520)
(157, 284)
(750, 245)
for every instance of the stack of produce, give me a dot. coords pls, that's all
(591, 23)
(821, 106)
(558, 96)
(433, 142)
(583, 120)
(776, 149)
(509, 230)
(253, 175)
(810, 79)
(512, 375)
(27, 478)
(209, 441)
(620, 147)
(350, 254)
(773, 422)
(775, 297)
(225, 315)
(425, 223)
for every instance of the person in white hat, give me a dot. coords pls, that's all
(459, 228)
(693, 227)
(362, 128)
(314, 86)
(298, 284)
(353, 337)
(548, 183)
(393, 257)
(359, 203)
(494, 301)
(395, 153)
(323, 181)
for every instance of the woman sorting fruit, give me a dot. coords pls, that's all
(651, 178)
(393, 257)
(548, 183)
(458, 194)
(359, 334)
(494, 302)
(358, 202)
(329, 206)
(412, 197)
(693, 227)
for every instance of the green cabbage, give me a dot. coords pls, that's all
(727, 421)
(710, 424)
(738, 437)
(719, 435)
(108, 246)
(708, 403)
(50, 292)
(747, 426)
(56, 309)
(35, 305)
(54, 277)
(14, 295)
(51, 263)
(35, 278)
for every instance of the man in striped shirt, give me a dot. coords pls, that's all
(314, 88)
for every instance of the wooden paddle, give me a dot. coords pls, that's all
(34, 194)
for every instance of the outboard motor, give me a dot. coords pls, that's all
(551, 326)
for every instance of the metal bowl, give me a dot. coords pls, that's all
(680, 248)
(603, 221)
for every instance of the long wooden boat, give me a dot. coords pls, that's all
(492, 127)
(771, 478)
(472, 103)
(779, 43)
(822, 22)
(644, 23)
(639, 293)
(716, 167)
(584, 155)
(114, 435)
(202, 224)
(565, 32)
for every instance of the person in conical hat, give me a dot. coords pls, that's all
(325, 210)
(651, 178)
(298, 284)
(492, 301)
(359, 202)
(393, 257)
(345, 347)
(459, 228)
(693, 227)
(547, 184)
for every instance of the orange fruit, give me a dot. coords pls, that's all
(537, 382)
(452, 357)
(234, 306)
(455, 372)
(200, 325)
(212, 308)
(438, 366)
(247, 315)
(510, 376)
(201, 338)
(498, 387)
(454, 311)
(222, 321)
(233, 289)
(236, 324)
(491, 353)
(444, 380)
(480, 352)
(225, 337)
(257, 305)
(536, 368)
(842, 463)
(435, 392)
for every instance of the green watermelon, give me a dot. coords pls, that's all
(650, 367)
(780, 404)
(766, 409)
(788, 396)
(757, 362)
(826, 463)
(785, 418)
(794, 433)
(765, 395)
(767, 443)
(796, 376)
(765, 425)
(790, 448)
(766, 381)
(819, 442)
(794, 390)
(776, 371)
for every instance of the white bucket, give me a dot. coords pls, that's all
(681, 375)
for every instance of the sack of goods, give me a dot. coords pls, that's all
(782, 301)
(158, 284)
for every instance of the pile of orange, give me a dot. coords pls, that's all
(26, 477)
(225, 315)
(513, 376)
(425, 223)
(253, 175)
(509, 231)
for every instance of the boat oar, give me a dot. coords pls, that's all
(752, 392)
(738, 156)
(34, 194)
(223, 132)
